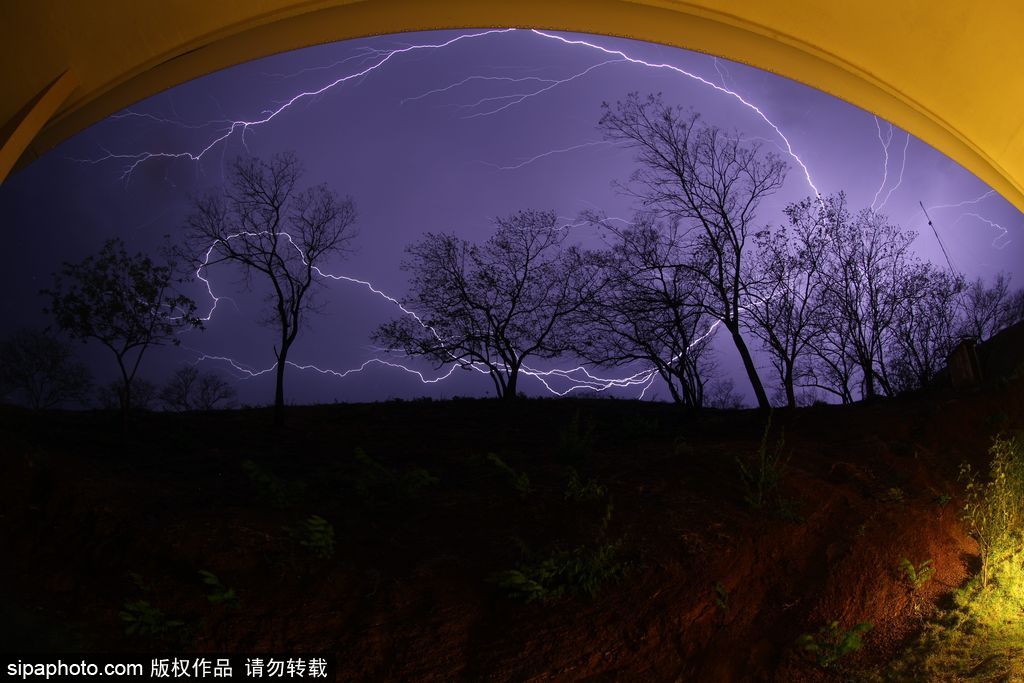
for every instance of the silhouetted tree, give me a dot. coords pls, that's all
(649, 309)
(189, 389)
(926, 327)
(492, 306)
(990, 309)
(143, 392)
(709, 182)
(786, 292)
(41, 369)
(263, 222)
(868, 274)
(126, 303)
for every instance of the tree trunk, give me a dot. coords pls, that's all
(510, 386)
(279, 387)
(748, 364)
(788, 381)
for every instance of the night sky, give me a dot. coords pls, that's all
(443, 139)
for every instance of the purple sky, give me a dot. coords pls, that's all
(433, 140)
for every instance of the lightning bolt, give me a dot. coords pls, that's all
(885, 165)
(903, 167)
(552, 152)
(579, 377)
(1001, 240)
(269, 115)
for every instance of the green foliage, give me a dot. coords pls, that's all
(579, 491)
(564, 573)
(316, 535)
(519, 482)
(143, 619)
(270, 488)
(761, 476)
(576, 440)
(217, 592)
(832, 643)
(374, 481)
(918, 575)
(994, 509)
(981, 637)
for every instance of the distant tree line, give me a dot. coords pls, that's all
(833, 298)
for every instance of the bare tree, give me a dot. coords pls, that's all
(278, 233)
(988, 310)
(124, 302)
(713, 185)
(869, 267)
(494, 305)
(649, 309)
(41, 369)
(189, 389)
(143, 392)
(786, 291)
(926, 327)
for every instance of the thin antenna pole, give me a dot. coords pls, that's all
(942, 245)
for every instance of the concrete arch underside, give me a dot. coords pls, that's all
(949, 72)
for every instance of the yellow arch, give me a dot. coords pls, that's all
(950, 72)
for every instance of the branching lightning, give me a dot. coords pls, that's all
(555, 380)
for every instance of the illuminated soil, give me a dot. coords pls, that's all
(713, 590)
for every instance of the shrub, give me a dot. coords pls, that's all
(143, 619)
(218, 593)
(994, 509)
(832, 643)
(373, 480)
(316, 535)
(519, 482)
(270, 488)
(918, 575)
(577, 572)
(761, 476)
(579, 491)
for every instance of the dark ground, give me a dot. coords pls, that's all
(700, 586)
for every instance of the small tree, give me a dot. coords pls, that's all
(41, 369)
(990, 309)
(649, 309)
(494, 305)
(189, 389)
(264, 223)
(124, 302)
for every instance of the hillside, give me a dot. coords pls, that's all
(450, 564)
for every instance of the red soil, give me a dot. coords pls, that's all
(406, 595)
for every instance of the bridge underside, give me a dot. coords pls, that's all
(950, 73)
